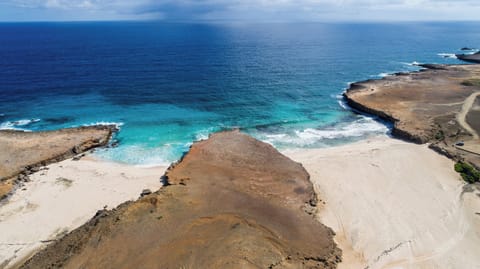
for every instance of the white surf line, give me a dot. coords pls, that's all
(461, 117)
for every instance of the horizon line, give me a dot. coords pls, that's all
(241, 21)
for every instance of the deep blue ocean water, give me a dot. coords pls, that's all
(170, 84)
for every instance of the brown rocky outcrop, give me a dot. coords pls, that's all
(426, 106)
(231, 202)
(22, 153)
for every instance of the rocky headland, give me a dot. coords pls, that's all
(231, 202)
(438, 105)
(22, 153)
(55, 194)
(473, 58)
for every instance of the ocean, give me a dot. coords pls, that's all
(167, 85)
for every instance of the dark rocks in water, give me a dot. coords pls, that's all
(467, 48)
(115, 143)
(472, 58)
(245, 205)
(59, 120)
(434, 66)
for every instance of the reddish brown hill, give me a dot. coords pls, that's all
(232, 202)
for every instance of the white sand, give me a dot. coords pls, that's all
(64, 197)
(391, 203)
(395, 205)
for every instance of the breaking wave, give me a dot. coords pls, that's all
(105, 123)
(360, 128)
(447, 55)
(139, 155)
(14, 125)
(382, 75)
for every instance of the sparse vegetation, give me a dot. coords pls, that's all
(474, 82)
(440, 135)
(64, 181)
(468, 172)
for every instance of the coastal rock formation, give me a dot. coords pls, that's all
(473, 58)
(433, 105)
(231, 202)
(22, 153)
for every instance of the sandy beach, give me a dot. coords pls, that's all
(63, 196)
(394, 204)
(239, 134)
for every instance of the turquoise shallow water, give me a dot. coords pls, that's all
(170, 84)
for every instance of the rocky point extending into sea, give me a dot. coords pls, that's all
(231, 202)
(23, 153)
(473, 58)
(439, 105)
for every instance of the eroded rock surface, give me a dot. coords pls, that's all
(231, 202)
(23, 152)
(435, 105)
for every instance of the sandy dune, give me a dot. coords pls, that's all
(63, 197)
(395, 205)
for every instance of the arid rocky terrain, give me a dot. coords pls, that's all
(24, 152)
(438, 105)
(231, 202)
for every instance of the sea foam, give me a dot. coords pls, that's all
(143, 155)
(14, 125)
(104, 123)
(447, 55)
(362, 127)
(382, 75)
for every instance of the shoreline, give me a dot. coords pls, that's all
(427, 106)
(394, 204)
(24, 153)
(380, 159)
(390, 202)
(63, 196)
